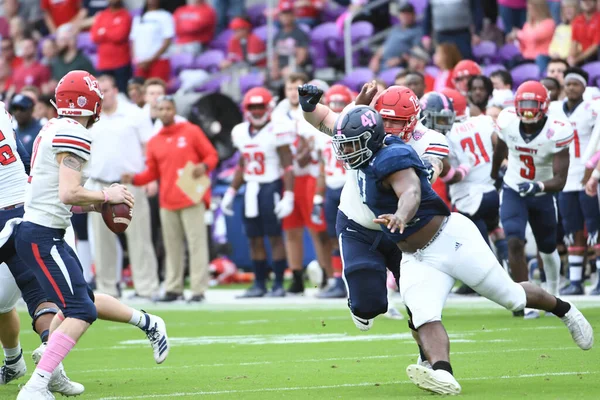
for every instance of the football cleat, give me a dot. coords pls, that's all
(579, 327)
(276, 292)
(156, 332)
(334, 291)
(361, 323)
(572, 290)
(12, 369)
(27, 393)
(253, 292)
(393, 313)
(422, 363)
(436, 381)
(59, 381)
(530, 313)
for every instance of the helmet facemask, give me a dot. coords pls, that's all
(440, 121)
(353, 151)
(529, 111)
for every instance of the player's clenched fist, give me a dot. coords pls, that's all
(118, 194)
(392, 222)
(309, 97)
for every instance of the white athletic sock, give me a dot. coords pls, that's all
(84, 253)
(575, 269)
(138, 319)
(11, 354)
(552, 269)
(39, 379)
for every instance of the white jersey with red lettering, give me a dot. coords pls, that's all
(424, 141)
(42, 203)
(584, 121)
(530, 158)
(471, 144)
(259, 149)
(13, 178)
(335, 173)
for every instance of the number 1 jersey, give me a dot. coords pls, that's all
(530, 157)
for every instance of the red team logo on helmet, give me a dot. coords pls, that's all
(257, 106)
(531, 102)
(78, 95)
(399, 103)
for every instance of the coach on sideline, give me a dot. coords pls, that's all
(120, 138)
(182, 220)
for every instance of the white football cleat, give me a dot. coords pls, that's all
(362, 324)
(59, 381)
(531, 313)
(436, 381)
(27, 393)
(157, 335)
(13, 369)
(581, 330)
(393, 313)
(422, 363)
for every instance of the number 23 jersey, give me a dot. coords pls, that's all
(530, 158)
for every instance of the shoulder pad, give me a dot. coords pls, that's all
(394, 158)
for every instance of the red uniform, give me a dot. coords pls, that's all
(61, 11)
(585, 32)
(111, 33)
(255, 50)
(195, 23)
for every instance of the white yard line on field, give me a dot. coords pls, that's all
(344, 385)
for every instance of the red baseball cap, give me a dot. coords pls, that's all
(239, 23)
(285, 6)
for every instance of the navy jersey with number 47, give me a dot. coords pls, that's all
(394, 157)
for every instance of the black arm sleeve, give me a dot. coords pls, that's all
(25, 157)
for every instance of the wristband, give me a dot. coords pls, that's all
(463, 169)
(591, 163)
(317, 199)
(596, 174)
(288, 168)
(449, 175)
(541, 185)
(105, 193)
(77, 210)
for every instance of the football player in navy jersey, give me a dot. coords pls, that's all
(438, 247)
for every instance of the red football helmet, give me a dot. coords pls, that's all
(399, 103)
(78, 95)
(258, 96)
(531, 102)
(466, 68)
(338, 97)
(458, 101)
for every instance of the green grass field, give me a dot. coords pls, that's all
(317, 353)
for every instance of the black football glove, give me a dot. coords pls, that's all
(309, 97)
(429, 168)
(529, 188)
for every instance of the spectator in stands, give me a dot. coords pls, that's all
(453, 22)
(513, 14)
(226, 10)
(308, 12)
(154, 89)
(555, 9)
(244, 46)
(535, 37)
(29, 10)
(400, 79)
(561, 41)
(57, 13)
(7, 88)
(290, 43)
(87, 13)
(552, 86)
(49, 50)
(110, 31)
(585, 34)
(17, 32)
(415, 81)
(480, 92)
(503, 95)
(135, 91)
(7, 51)
(152, 34)
(195, 25)
(403, 37)
(124, 123)
(446, 57)
(176, 145)
(417, 61)
(27, 129)
(31, 71)
(44, 110)
(69, 58)
(33, 93)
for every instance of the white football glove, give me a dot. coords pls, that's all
(285, 206)
(227, 202)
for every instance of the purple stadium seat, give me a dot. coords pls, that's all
(525, 72)
(357, 78)
(419, 5)
(508, 52)
(432, 70)
(213, 85)
(94, 59)
(593, 70)
(209, 60)
(331, 12)
(256, 14)
(174, 85)
(320, 37)
(389, 75)
(261, 32)
(221, 41)
(361, 30)
(252, 80)
(84, 42)
(181, 61)
(485, 51)
(490, 69)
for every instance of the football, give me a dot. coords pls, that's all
(117, 216)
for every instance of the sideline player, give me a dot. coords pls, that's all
(266, 168)
(54, 191)
(577, 208)
(438, 247)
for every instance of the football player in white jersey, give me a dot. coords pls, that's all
(53, 193)
(576, 208)
(329, 189)
(537, 146)
(266, 168)
(365, 251)
(306, 171)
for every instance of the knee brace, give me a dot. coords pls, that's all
(43, 311)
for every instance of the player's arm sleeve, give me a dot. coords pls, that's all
(76, 141)
(23, 154)
(438, 145)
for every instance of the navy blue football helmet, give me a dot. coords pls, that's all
(358, 134)
(437, 112)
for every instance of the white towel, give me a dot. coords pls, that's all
(8, 230)
(251, 199)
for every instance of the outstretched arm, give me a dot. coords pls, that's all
(407, 186)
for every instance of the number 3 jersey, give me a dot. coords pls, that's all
(530, 157)
(12, 174)
(583, 121)
(259, 149)
(42, 202)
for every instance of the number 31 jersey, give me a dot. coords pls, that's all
(530, 157)
(259, 150)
